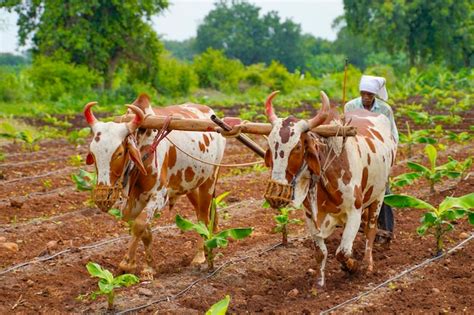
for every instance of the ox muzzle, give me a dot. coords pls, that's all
(105, 196)
(278, 195)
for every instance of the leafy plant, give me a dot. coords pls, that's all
(461, 137)
(462, 167)
(84, 180)
(116, 213)
(212, 240)
(282, 221)
(413, 137)
(437, 220)
(47, 183)
(78, 136)
(219, 308)
(75, 160)
(108, 283)
(433, 174)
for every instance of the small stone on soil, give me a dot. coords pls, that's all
(30, 283)
(2, 239)
(16, 203)
(10, 246)
(463, 235)
(145, 292)
(293, 293)
(52, 245)
(435, 290)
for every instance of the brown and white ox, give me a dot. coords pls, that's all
(339, 181)
(150, 185)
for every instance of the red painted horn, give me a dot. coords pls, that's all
(269, 107)
(88, 113)
(137, 121)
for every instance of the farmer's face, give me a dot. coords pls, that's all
(367, 98)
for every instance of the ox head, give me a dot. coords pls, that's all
(111, 148)
(292, 151)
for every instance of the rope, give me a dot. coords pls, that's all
(214, 164)
(424, 263)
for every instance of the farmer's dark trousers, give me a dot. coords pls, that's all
(385, 221)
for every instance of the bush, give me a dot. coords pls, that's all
(56, 80)
(12, 88)
(318, 65)
(174, 78)
(277, 77)
(332, 84)
(215, 71)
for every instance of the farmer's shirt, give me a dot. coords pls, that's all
(379, 107)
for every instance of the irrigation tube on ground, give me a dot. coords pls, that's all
(94, 245)
(424, 263)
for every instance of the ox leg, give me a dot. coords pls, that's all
(128, 264)
(319, 237)
(370, 232)
(206, 191)
(344, 251)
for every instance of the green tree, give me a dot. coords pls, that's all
(428, 31)
(237, 28)
(104, 35)
(183, 50)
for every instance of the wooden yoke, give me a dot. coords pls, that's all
(207, 125)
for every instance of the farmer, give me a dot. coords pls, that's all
(373, 93)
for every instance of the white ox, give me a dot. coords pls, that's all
(340, 181)
(151, 184)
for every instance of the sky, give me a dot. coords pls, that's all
(180, 21)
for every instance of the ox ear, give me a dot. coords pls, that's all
(135, 155)
(311, 154)
(90, 159)
(268, 158)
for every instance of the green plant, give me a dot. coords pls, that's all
(413, 137)
(219, 308)
(437, 220)
(47, 183)
(78, 136)
(282, 221)
(75, 160)
(461, 167)
(433, 174)
(84, 180)
(108, 283)
(462, 137)
(116, 213)
(212, 240)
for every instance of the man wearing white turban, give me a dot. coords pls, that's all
(373, 93)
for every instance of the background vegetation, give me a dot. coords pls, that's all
(108, 51)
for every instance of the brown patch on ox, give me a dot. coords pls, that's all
(176, 180)
(358, 150)
(339, 169)
(143, 101)
(365, 177)
(206, 140)
(97, 138)
(358, 197)
(172, 156)
(285, 129)
(189, 174)
(329, 199)
(368, 194)
(377, 134)
(282, 154)
(182, 110)
(370, 144)
(202, 147)
(368, 158)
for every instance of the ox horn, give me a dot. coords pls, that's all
(269, 107)
(323, 113)
(91, 120)
(137, 121)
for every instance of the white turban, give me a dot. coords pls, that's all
(375, 85)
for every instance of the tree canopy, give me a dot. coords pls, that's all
(428, 31)
(237, 28)
(103, 35)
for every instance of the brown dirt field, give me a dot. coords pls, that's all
(282, 280)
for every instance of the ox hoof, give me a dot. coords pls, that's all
(348, 264)
(126, 267)
(148, 273)
(199, 259)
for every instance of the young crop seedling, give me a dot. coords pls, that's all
(433, 174)
(282, 221)
(219, 308)
(75, 160)
(108, 283)
(212, 239)
(437, 221)
(414, 137)
(84, 180)
(78, 136)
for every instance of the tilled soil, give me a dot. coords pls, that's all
(41, 213)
